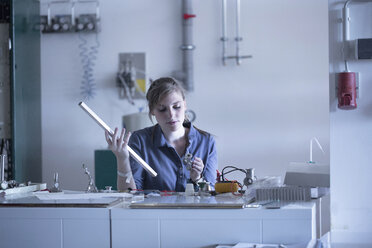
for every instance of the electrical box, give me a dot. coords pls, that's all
(305, 174)
(131, 77)
(363, 49)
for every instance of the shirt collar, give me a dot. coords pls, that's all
(159, 139)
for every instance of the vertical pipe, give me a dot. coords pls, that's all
(346, 31)
(224, 25)
(97, 11)
(345, 22)
(237, 18)
(73, 15)
(224, 31)
(187, 46)
(2, 171)
(238, 38)
(49, 18)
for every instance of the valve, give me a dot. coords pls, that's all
(188, 16)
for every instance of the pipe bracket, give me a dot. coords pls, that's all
(187, 47)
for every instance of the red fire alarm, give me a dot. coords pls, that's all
(347, 90)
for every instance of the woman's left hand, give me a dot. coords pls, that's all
(197, 169)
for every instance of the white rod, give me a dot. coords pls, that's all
(101, 123)
(95, 117)
(345, 23)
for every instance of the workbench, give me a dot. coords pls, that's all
(158, 221)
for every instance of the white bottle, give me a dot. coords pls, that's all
(189, 189)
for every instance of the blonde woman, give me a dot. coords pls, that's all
(165, 145)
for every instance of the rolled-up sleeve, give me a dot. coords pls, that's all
(137, 169)
(211, 165)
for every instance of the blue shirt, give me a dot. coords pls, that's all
(150, 144)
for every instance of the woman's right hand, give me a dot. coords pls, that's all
(118, 145)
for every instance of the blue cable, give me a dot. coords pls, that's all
(88, 55)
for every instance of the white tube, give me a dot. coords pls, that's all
(224, 25)
(345, 23)
(101, 123)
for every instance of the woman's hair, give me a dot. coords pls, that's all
(160, 88)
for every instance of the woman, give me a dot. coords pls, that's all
(165, 145)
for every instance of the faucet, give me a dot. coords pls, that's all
(91, 186)
(3, 183)
(55, 188)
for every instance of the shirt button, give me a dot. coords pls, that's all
(181, 176)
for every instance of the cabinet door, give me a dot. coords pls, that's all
(26, 90)
(30, 232)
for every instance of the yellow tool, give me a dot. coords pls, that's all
(226, 186)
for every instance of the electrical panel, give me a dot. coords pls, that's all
(131, 77)
(364, 48)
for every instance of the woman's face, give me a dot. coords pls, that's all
(170, 112)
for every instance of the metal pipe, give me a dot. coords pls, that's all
(49, 18)
(97, 11)
(345, 31)
(73, 14)
(345, 21)
(224, 38)
(187, 47)
(2, 176)
(238, 38)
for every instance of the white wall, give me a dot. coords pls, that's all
(351, 134)
(263, 112)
